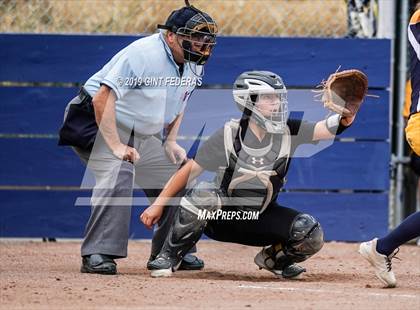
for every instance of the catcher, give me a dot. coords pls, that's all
(251, 157)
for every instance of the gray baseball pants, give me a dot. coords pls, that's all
(107, 229)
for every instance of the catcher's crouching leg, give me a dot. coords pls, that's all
(186, 228)
(306, 238)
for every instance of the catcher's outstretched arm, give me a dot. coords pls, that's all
(332, 126)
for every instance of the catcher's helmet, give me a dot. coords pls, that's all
(198, 31)
(248, 88)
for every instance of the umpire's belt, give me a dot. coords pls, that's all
(84, 97)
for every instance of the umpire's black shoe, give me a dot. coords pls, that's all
(191, 262)
(98, 263)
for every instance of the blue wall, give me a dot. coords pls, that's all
(345, 185)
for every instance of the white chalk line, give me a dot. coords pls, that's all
(310, 290)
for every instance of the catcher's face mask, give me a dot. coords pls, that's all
(268, 106)
(273, 109)
(198, 38)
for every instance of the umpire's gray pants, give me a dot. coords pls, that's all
(107, 230)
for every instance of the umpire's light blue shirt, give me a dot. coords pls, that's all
(146, 81)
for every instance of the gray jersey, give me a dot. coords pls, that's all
(146, 80)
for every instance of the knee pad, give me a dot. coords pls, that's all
(412, 132)
(306, 238)
(187, 227)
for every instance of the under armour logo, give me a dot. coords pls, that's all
(259, 161)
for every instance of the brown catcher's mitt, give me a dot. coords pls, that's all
(344, 91)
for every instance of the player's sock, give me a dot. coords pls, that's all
(407, 230)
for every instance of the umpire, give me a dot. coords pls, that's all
(112, 126)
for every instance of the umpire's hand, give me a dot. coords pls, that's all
(175, 152)
(126, 152)
(151, 215)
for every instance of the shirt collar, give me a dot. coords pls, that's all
(167, 48)
(169, 53)
(250, 139)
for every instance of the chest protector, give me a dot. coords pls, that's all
(253, 177)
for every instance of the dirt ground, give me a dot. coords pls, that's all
(35, 275)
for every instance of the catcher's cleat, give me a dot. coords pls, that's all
(292, 271)
(381, 263)
(161, 266)
(98, 263)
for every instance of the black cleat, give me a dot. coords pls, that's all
(290, 271)
(160, 267)
(191, 262)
